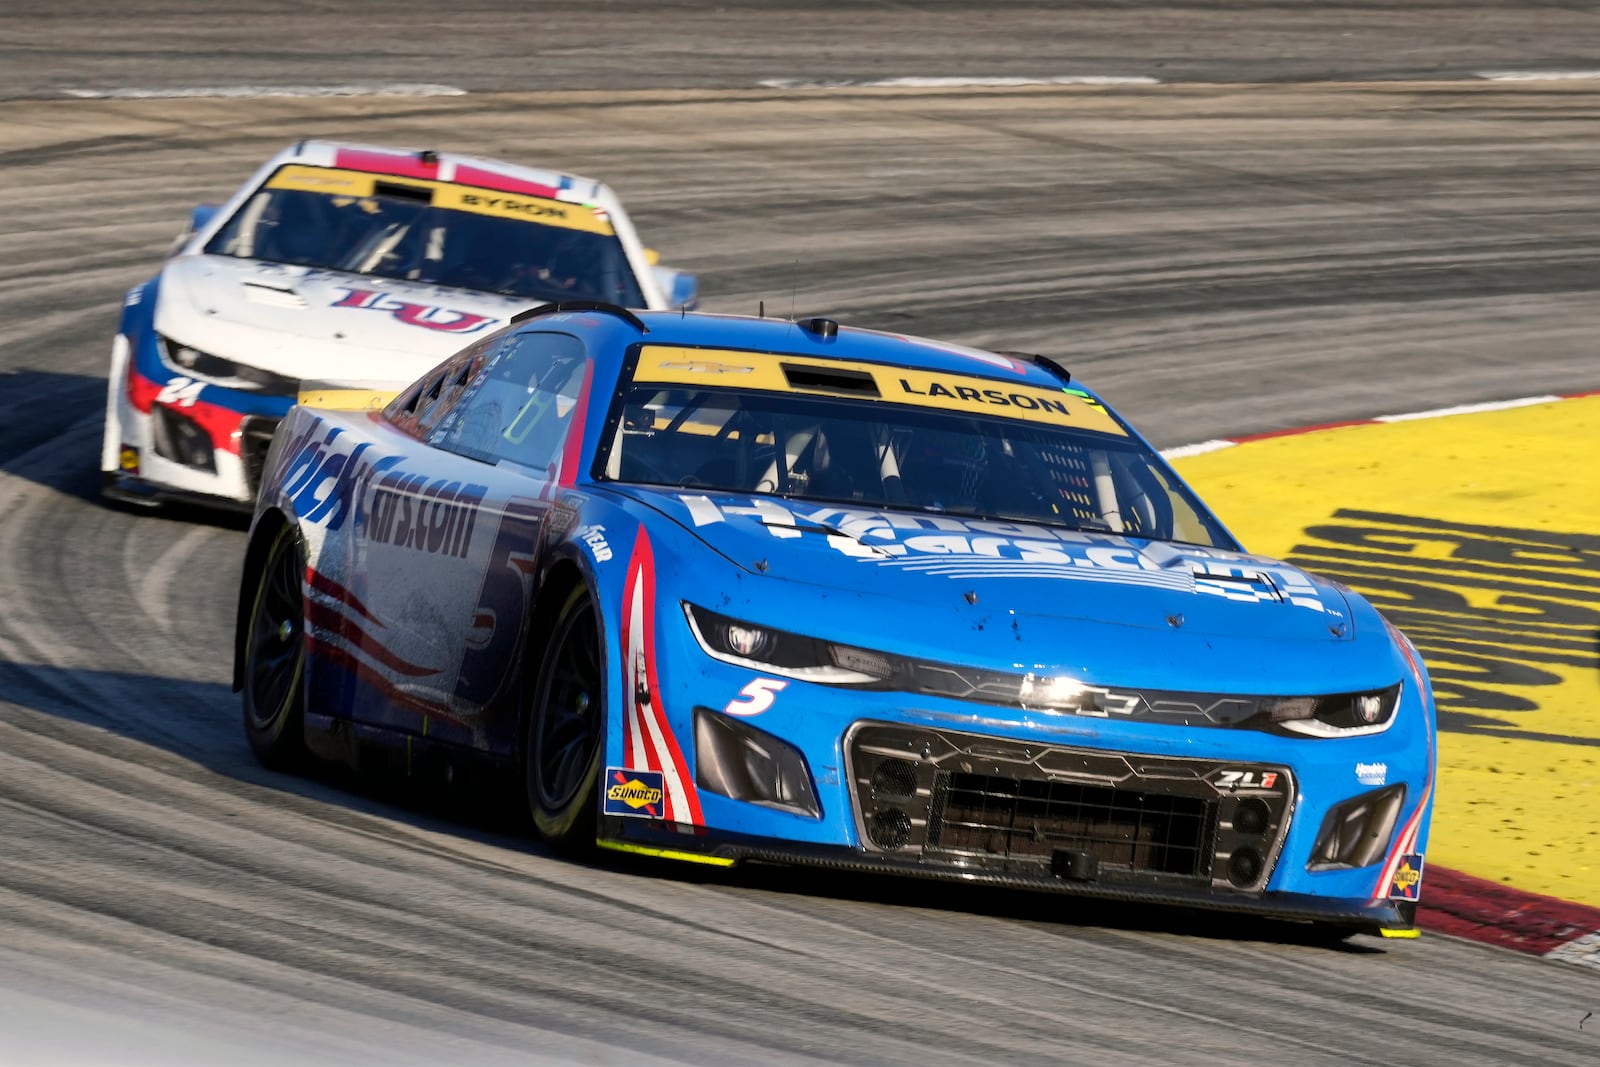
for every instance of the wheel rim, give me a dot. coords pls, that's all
(569, 712)
(275, 637)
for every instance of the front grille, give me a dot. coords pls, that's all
(970, 801)
(1018, 818)
(255, 437)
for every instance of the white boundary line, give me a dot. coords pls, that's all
(1469, 409)
(1197, 449)
(908, 82)
(1217, 444)
(1583, 951)
(253, 91)
(956, 82)
(1537, 75)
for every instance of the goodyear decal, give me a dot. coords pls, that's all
(358, 185)
(1407, 881)
(670, 365)
(633, 793)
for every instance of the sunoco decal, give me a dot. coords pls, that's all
(1407, 881)
(634, 794)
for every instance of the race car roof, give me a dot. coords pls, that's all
(448, 167)
(829, 340)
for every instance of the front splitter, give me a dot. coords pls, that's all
(696, 845)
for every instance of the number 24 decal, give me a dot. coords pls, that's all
(180, 392)
(756, 697)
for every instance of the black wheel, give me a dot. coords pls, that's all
(566, 724)
(275, 657)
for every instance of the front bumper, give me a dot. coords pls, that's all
(663, 841)
(1204, 831)
(165, 455)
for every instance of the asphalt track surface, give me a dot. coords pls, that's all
(1255, 251)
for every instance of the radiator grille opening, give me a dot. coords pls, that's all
(1156, 833)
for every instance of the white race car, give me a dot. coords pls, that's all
(344, 264)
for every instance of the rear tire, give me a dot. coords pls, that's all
(566, 729)
(275, 655)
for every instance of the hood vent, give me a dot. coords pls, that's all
(1238, 585)
(273, 296)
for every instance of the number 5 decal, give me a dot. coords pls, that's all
(756, 697)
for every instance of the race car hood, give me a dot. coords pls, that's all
(1013, 567)
(316, 324)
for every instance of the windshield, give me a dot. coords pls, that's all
(431, 232)
(881, 437)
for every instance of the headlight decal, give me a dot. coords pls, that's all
(215, 370)
(648, 740)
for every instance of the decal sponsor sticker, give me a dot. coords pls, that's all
(329, 487)
(1407, 881)
(963, 549)
(180, 392)
(456, 197)
(1372, 773)
(634, 793)
(128, 460)
(568, 216)
(670, 365)
(432, 515)
(1236, 780)
(755, 697)
(440, 319)
(595, 538)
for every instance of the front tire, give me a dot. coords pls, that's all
(566, 728)
(275, 657)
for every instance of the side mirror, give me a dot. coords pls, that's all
(199, 218)
(682, 289)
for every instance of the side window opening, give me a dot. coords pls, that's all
(422, 405)
(518, 407)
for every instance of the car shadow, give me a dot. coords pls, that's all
(66, 413)
(1055, 910)
(199, 723)
(38, 407)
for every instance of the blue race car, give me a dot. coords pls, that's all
(727, 589)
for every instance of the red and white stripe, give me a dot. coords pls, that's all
(341, 630)
(648, 740)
